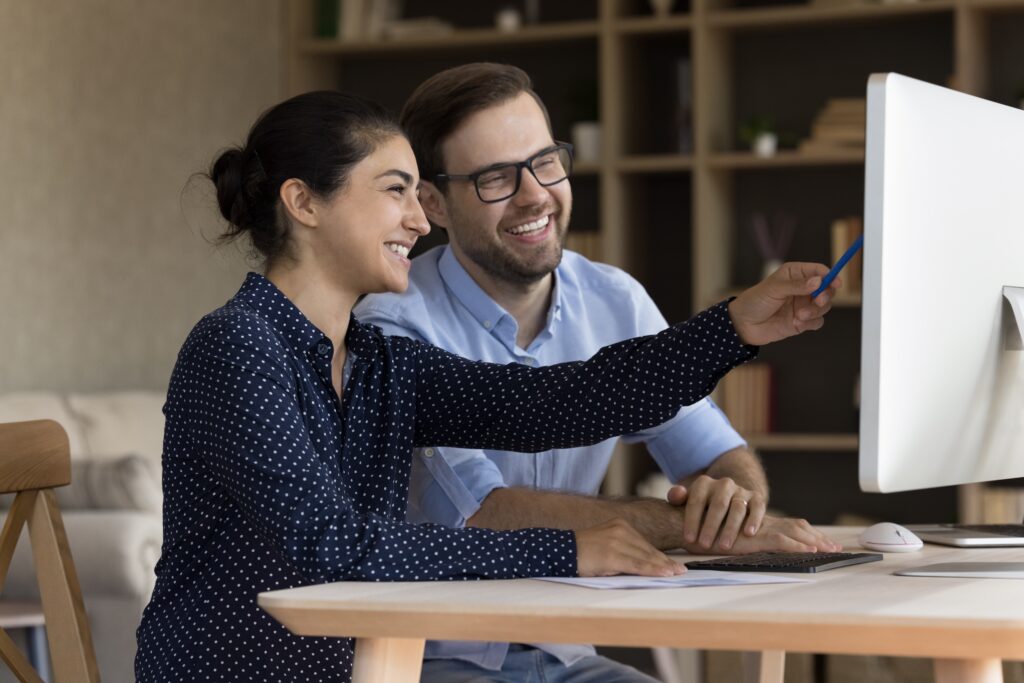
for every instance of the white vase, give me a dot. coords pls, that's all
(770, 266)
(765, 144)
(586, 141)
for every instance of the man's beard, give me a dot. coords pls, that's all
(501, 263)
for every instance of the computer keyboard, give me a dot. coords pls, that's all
(804, 563)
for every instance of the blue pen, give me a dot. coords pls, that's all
(857, 244)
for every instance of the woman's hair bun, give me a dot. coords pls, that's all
(237, 176)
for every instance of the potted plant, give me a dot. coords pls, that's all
(760, 135)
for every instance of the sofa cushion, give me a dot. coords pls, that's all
(44, 405)
(130, 482)
(116, 423)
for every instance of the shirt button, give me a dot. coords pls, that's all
(323, 348)
(487, 324)
(531, 362)
(429, 452)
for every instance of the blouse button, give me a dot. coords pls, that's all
(429, 452)
(323, 348)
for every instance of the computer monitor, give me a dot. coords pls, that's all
(942, 370)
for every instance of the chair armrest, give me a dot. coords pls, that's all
(114, 552)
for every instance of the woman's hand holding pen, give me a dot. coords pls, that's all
(780, 306)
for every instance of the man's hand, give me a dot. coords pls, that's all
(780, 306)
(723, 506)
(772, 533)
(615, 547)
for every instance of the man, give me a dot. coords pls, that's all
(503, 291)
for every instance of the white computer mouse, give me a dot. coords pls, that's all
(887, 537)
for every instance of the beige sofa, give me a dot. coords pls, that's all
(111, 510)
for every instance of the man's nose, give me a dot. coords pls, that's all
(530, 189)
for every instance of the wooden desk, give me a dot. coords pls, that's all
(967, 625)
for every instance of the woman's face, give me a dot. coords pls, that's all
(369, 226)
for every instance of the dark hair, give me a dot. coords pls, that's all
(316, 137)
(442, 102)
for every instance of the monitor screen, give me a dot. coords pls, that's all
(942, 376)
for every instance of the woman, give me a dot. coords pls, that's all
(290, 425)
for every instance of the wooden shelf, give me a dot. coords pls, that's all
(654, 163)
(586, 167)
(803, 442)
(786, 159)
(806, 15)
(654, 25)
(998, 5)
(458, 39)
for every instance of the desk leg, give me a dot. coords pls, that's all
(764, 667)
(968, 671)
(388, 660)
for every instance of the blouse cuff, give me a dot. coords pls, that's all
(543, 552)
(717, 320)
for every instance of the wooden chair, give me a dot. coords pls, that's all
(35, 458)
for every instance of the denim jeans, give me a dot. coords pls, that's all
(529, 665)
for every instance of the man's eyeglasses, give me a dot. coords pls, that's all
(501, 181)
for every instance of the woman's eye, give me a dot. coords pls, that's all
(400, 189)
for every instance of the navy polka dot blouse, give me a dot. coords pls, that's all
(271, 483)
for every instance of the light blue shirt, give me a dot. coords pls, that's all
(593, 305)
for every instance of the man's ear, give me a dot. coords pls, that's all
(297, 200)
(434, 204)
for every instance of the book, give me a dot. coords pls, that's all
(845, 232)
(586, 243)
(745, 395)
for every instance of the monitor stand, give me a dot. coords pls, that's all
(968, 570)
(1015, 333)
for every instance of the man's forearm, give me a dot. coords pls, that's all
(520, 508)
(740, 465)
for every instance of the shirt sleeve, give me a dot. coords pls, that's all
(624, 388)
(692, 439)
(449, 484)
(245, 421)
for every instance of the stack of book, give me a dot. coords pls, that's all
(745, 394)
(840, 125)
(1002, 505)
(844, 232)
(585, 242)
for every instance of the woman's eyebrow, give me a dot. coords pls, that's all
(394, 171)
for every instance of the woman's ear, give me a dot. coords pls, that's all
(434, 204)
(297, 200)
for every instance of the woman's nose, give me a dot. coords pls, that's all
(416, 220)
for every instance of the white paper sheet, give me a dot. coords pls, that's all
(694, 577)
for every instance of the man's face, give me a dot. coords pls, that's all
(519, 239)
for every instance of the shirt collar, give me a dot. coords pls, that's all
(480, 305)
(303, 336)
(464, 288)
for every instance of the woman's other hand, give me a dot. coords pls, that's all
(615, 547)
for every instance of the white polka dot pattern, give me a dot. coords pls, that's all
(270, 483)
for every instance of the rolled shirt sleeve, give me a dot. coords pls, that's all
(450, 484)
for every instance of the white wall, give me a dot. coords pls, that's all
(106, 108)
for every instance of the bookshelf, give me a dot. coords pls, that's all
(677, 218)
